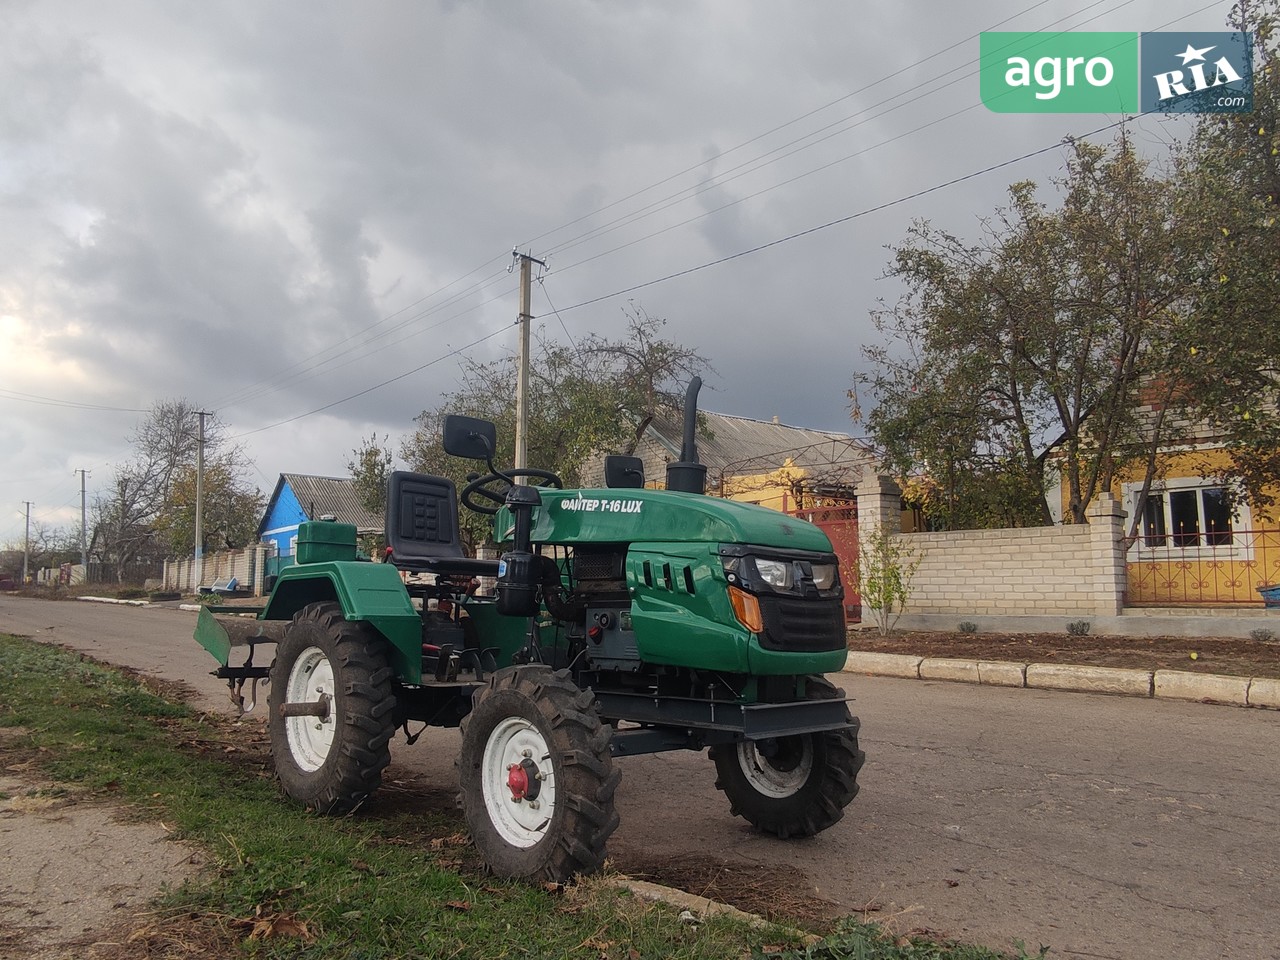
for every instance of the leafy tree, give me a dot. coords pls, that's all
(229, 511)
(596, 396)
(370, 465)
(1229, 188)
(1027, 351)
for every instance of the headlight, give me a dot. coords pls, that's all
(824, 575)
(776, 573)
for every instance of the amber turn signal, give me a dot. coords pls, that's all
(747, 609)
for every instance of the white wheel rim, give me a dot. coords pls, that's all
(777, 782)
(310, 738)
(520, 822)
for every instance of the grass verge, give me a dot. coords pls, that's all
(395, 881)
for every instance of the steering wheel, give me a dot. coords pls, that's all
(487, 494)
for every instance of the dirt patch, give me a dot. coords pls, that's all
(1230, 656)
(75, 866)
(777, 892)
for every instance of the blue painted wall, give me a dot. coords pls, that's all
(281, 525)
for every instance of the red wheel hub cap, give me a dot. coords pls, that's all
(522, 780)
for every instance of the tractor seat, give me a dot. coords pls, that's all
(422, 527)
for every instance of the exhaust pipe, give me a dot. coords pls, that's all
(688, 475)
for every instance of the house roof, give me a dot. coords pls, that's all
(321, 496)
(732, 446)
(738, 446)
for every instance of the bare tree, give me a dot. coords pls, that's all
(152, 507)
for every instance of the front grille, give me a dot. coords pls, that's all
(802, 626)
(599, 566)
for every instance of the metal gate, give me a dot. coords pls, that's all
(1202, 569)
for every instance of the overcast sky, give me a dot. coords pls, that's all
(268, 208)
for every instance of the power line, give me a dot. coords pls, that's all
(274, 382)
(376, 386)
(743, 253)
(56, 402)
(793, 121)
(833, 223)
(479, 285)
(752, 196)
(331, 364)
(841, 160)
(301, 365)
(761, 161)
(542, 284)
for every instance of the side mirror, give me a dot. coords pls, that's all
(622, 472)
(470, 438)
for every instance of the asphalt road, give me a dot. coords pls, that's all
(1099, 826)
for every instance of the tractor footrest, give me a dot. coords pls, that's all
(747, 721)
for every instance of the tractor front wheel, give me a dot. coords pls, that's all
(536, 775)
(792, 786)
(332, 710)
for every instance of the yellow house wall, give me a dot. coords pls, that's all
(772, 490)
(1201, 576)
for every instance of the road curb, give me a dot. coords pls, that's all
(1071, 678)
(1062, 676)
(1180, 685)
(884, 665)
(1264, 692)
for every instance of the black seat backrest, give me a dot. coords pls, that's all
(422, 518)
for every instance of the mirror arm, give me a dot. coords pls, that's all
(488, 459)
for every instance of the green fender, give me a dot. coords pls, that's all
(371, 592)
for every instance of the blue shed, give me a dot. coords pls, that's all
(299, 497)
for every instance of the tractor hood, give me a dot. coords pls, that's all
(628, 516)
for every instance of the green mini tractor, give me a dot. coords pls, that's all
(618, 621)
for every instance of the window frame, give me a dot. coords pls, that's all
(1240, 518)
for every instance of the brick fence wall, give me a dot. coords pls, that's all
(1072, 570)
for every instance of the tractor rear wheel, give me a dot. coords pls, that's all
(331, 710)
(536, 775)
(792, 786)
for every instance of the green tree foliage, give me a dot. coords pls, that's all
(370, 465)
(1025, 352)
(1229, 188)
(597, 396)
(229, 513)
(1140, 312)
(886, 565)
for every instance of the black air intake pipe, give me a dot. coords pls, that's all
(688, 475)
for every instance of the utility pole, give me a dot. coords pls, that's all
(522, 371)
(26, 549)
(199, 501)
(84, 528)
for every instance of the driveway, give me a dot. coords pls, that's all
(1100, 826)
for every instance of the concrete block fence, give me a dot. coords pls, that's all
(1076, 571)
